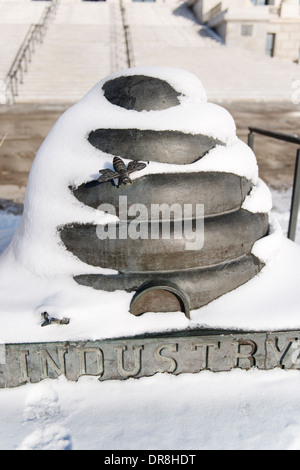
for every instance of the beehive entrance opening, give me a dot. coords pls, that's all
(159, 299)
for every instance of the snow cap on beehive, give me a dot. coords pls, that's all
(69, 157)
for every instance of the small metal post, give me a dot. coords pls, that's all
(295, 201)
(251, 140)
(16, 85)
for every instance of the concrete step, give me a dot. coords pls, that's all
(15, 20)
(86, 42)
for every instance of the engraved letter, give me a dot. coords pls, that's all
(280, 353)
(23, 366)
(99, 361)
(172, 364)
(205, 352)
(238, 354)
(47, 362)
(296, 354)
(137, 361)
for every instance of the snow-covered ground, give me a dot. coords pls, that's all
(230, 410)
(234, 410)
(8, 225)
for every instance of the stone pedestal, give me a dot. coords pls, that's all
(123, 358)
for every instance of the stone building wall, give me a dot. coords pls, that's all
(250, 26)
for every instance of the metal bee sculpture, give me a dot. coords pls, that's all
(121, 172)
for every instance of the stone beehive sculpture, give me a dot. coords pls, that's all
(143, 199)
(188, 155)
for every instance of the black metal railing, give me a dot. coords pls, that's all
(127, 35)
(213, 13)
(295, 203)
(34, 36)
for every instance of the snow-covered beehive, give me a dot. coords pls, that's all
(59, 270)
(161, 117)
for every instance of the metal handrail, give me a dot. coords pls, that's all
(291, 138)
(35, 34)
(295, 204)
(127, 34)
(213, 13)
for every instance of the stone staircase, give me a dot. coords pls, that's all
(165, 35)
(83, 44)
(86, 42)
(15, 20)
